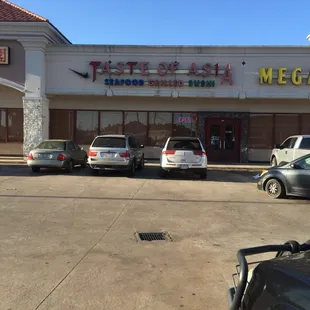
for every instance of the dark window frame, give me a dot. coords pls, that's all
(6, 137)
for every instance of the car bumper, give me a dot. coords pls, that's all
(109, 165)
(47, 163)
(190, 168)
(260, 184)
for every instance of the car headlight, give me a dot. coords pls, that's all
(263, 172)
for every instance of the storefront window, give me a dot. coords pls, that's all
(2, 125)
(305, 124)
(15, 125)
(86, 126)
(185, 124)
(61, 124)
(286, 125)
(111, 122)
(136, 125)
(160, 128)
(260, 131)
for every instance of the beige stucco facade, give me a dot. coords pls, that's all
(46, 63)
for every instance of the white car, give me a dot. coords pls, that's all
(183, 154)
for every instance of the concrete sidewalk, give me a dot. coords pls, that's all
(153, 163)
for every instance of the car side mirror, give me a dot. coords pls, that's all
(82, 149)
(277, 146)
(141, 146)
(295, 166)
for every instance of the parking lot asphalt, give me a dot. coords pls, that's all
(67, 241)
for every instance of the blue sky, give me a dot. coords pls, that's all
(182, 22)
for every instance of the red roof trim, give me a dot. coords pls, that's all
(10, 12)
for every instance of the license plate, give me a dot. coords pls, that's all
(107, 155)
(183, 167)
(46, 156)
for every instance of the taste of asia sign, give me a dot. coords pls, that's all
(204, 74)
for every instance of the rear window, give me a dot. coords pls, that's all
(190, 144)
(52, 145)
(110, 142)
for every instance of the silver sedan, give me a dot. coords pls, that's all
(61, 154)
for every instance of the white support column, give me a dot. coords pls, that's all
(35, 103)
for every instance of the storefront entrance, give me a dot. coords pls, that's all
(223, 140)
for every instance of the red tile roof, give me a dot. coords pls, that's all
(10, 12)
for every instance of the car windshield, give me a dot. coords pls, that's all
(116, 142)
(51, 145)
(184, 144)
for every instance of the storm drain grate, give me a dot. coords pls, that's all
(153, 236)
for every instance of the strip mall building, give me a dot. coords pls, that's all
(240, 100)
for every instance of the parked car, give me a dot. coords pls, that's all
(291, 179)
(116, 152)
(183, 154)
(292, 148)
(62, 154)
(281, 283)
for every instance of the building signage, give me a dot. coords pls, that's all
(282, 75)
(163, 69)
(4, 55)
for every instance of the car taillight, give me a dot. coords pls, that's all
(199, 153)
(30, 156)
(61, 157)
(92, 154)
(125, 155)
(169, 152)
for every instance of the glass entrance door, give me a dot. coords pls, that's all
(223, 140)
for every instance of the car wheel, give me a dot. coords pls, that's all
(163, 173)
(275, 189)
(84, 164)
(95, 171)
(203, 175)
(141, 165)
(132, 170)
(274, 162)
(35, 169)
(70, 167)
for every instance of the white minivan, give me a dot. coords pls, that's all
(183, 154)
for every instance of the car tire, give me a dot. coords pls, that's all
(95, 172)
(203, 175)
(141, 164)
(132, 170)
(163, 173)
(275, 189)
(35, 169)
(84, 164)
(274, 162)
(70, 167)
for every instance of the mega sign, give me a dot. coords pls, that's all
(163, 69)
(282, 75)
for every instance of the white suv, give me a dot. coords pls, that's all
(183, 154)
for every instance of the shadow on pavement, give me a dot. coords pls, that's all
(148, 173)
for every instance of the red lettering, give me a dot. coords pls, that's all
(131, 64)
(95, 65)
(216, 69)
(193, 69)
(144, 68)
(106, 68)
(173, 67)
(227, 75)
(151, 82)
(206, 70)
(120, 68)
(163, 66)
(181, 83)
